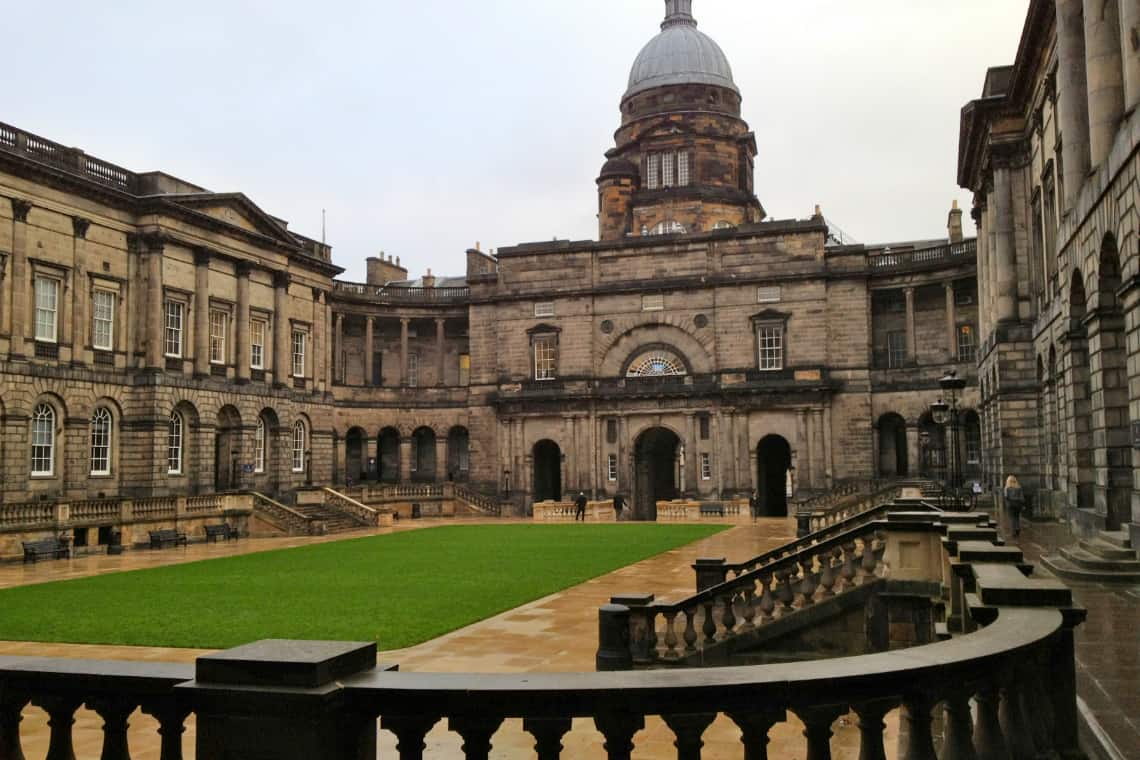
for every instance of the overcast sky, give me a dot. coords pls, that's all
(423, 127)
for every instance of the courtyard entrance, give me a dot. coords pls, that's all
(355, 467)
(892, 447)
(227, 449)
(656, 465)
(773, 471)
(388, 449)
(547, 484)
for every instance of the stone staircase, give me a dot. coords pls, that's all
(335, 521)
(1110, 557)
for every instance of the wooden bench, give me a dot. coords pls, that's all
(163, 538)
(223, 531)
(53, 548)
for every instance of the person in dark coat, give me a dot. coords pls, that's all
(619, 505)
(754, 505)
(580, 507)
(1014, 503)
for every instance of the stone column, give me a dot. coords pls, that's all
(405, 459)
(154, 305)
(241, 329)
(1129, 33)
(1004, 260)
(318, 350)
(441, 351)
(951, 323)
(369, 349)
(913, 455)
(80, 355)
(441, 471)
(404, 351)
(735, 449)
(331, 349)
(21, 326)
(693, 453)
(803, 449)
(1104, 74)
(201, 312)
(1072, 97)
(911, 348)
(338, 347)
(828, 449)
(981, 219)
(281, 330)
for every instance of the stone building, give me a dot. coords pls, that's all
(159, 338)
(1050, 152)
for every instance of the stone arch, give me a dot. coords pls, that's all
(546, 470)
(657, 465)
(301, 445)
(773, 475)
(267, 462)
(458, 454)
(356, 468)
(971, 446)
(658, 333)
(893, 454)
(114, 443)
(227, 448)
(35, 451)
(425, 466)
(182, 452)
(388, 454)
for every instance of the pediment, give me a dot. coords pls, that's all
(236, 210)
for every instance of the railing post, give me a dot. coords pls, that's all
(547, 733)
(871, 728)
(689, 729)
(171, 716)
(817, 729)
(1062, 680)
(619, 728)
(754, 728)
(410, 731)
(114, 713)
(61, 717)
(710, 572)
(11, 707)
(989, 742)
(613, 639)
(919, 741)
(476, 733)
(642, 630)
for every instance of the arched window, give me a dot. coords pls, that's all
(101, 442)
(299, 446)
(174, 439)
(259, 446)
(669, 228)
(43, 440)
(657, 364)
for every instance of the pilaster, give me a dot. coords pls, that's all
(1072, 98)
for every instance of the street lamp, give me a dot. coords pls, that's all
(945, 413)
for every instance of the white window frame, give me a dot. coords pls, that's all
(103, 327)
(218, 330)
(413, 369)
(173, 335)
(653, 302)
(43, 441)
(299, 349)
(967, 350)
(258, 329)
(683, 175)
(612, 468)
(544, 309)
(102, 432)
(895, 358)
(706, 466)
(771, 346)
(771, 294)
(653, 171)
(545, 348)
(47, 316)
(259, 446)
(175, 444)
(300, 433)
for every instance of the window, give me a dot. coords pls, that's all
(973, 442)
(706, 466)
(611, 468)
(545, 357)
(257, 328)
(299, 447)
(43, 440)
(611, 431)
(704, 422)
(103, 326)
(771, 347)
(670, 169)
(655, 302)
(299, 339)
(174, 438)
(657, 364)
(653, 174)
(966, 344)
(724, 225)
(101, 442)
(174, 316)
(544, 309)
(47, 309)
(464, 369)
(682, 169)
(218, 319)
(768, 295)
(259, 446)
(668, 228)
(413, 370)
(896, 350)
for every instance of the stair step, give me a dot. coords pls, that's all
(1089, 561)
(1118, 538)
(1105, 550)
(1063, 568)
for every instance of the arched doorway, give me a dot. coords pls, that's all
(656, 467)
(389, 458)
(355, 468)
(423, 455)
(1107, 339)
(458, 454)
(932, 441)
(227, 449)
(893, 457)
(773, 470)
(547, 471)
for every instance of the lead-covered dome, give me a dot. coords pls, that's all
(680, 55)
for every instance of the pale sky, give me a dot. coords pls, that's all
(423, 127)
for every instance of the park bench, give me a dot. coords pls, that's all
(163, 538)
(712, 510)
(222, 531)
(54, 548)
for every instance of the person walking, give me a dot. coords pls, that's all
(754, 505)
(580, 507)
(1014, 503)
(619, 505)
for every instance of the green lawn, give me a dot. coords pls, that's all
(397, 590)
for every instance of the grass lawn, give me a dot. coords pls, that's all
(397, 590)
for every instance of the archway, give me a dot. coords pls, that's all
(971, 445)
(267, 449)
(893, 458)
(389, 450)
(932, 440)
(227, 449)
(547, 471)
(423, 455)
(773, 466)
(355, 466)
(656, 466)
(458, 454)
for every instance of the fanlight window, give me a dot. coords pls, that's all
(657, 364)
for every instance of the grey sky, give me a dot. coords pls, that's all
(426, 126)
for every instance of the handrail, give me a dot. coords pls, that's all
(362, 513)
(480, 501)
(922, 256)
(402, 293)
(287, 518)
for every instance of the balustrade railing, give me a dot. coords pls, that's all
(923, 256)
(362, 513)
(284, 517)
(26, 515)
(403, 294)
(199, 504)
(103, 511)
(488, 504)
(70, 159)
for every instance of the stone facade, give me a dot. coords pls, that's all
(1050, 152)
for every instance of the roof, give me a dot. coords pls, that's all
(680, 54)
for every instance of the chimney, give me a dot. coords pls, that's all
(954, 224)
(818, 212)
(429, 279)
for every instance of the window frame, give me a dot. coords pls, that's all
(101, 415)
(706, 466)
(259, 438)
(652, 302)
(294, 355)
(57, 289)
(413, 369)
(179, 332)
(612, 468)
(544, 309)
(966, 329)
(96, 320)
(300, 435)
(254, 345)
(779, 331)
(217, 343)
(43, 412)
(897, 356)
(176, 444)
(544, 351)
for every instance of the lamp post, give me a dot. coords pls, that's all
(945, 413)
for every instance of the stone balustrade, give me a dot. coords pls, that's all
(564, 511)
(365, 514)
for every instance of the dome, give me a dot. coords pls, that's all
(619, 167)
(680, 54)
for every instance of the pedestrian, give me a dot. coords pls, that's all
(1014, 503)
(754, 504)
(619, 505)
(975, 494)
(580, 507)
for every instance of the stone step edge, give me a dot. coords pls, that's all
(1089, 561)
(1062, 568)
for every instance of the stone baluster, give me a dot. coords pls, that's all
(754, 728)
(871, 727)
(690, 635)
(1015, 727)
(114, 713)
(808, 584)
(767, 604)
(827, 576)
(171, 718)
(410, 731)
(689, 729)
(728, 614)
(785, 593)
(869, 563)
(919, 741)
(547, 733)
(61, 717)
(11, 709)
(817, 730)
(848, 572)
(748, 607)
(989, 741)
(618, 729)
(671, 639)
(476, 733)
(959, 741)
(709, 627)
